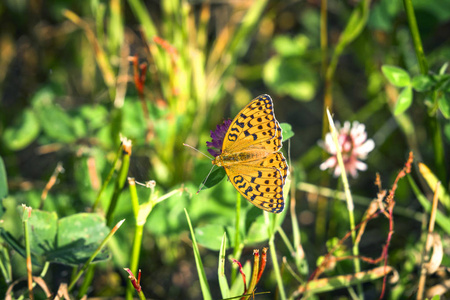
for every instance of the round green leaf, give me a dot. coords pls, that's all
(287, 131)
(258, 231)
(397, 76)
(214, 178)
(404, 101)
(288, 46)
(78, 237)
(210, 236)
(24, 131)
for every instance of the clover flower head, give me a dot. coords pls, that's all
(217, 137)
(354, 146)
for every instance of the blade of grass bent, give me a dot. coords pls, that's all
(223, 283)
(198, 263)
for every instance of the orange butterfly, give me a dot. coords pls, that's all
(251, 158)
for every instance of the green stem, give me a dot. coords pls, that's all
(350, 204)
(276, 267)
(135, 254)
(5, 267)
(137, 241)
(433, 126)
(416, 36)
(108, 179)
(26, 232)
(237, 246)
(120, 182)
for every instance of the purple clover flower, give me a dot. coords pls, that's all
(217, 138)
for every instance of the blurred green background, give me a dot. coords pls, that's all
(75, 75)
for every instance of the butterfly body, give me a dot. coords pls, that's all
(225, 160)
(251, 158)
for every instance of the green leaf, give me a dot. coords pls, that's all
(258, 231)
(422, 83)
(24, 131)
(443, 69)
(447, 131)
(356, 23)
(70, 241)
(291, 76)
(404, 101)
(396, 75)
(3, 184)
(214, 178)
(287, 131)
(43, 226)
(291, 46)
(78, 237)
(55, 122)
(210, 236)
(444, 105)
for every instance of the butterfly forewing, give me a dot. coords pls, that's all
(254, 125)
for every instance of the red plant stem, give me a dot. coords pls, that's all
(263, 263)
(242, 273)
(134, 282)
(391, 203)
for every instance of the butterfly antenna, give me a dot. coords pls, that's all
(204, 181)
(197, 150)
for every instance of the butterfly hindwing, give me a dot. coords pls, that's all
(262, 186)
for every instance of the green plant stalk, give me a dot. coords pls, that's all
(286, 241)
(350, 204)
(116, 29)
(433, 126)
(276, 267)
(26, 232)
(135, 254)
(441, 219)
(108, 178)
(5, 267)
(237, 46)
(87, 280)
(223, 283)
(409, 9)
(237, 227)
(198, 263)
(432, 181)
(438, 147)
(324, 35)
(353, 28)
(134, 201)
(120, 182)
(342, 281)
(96, 252)
(137, 241)
(99, 22)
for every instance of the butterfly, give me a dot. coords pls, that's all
(251, 155)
